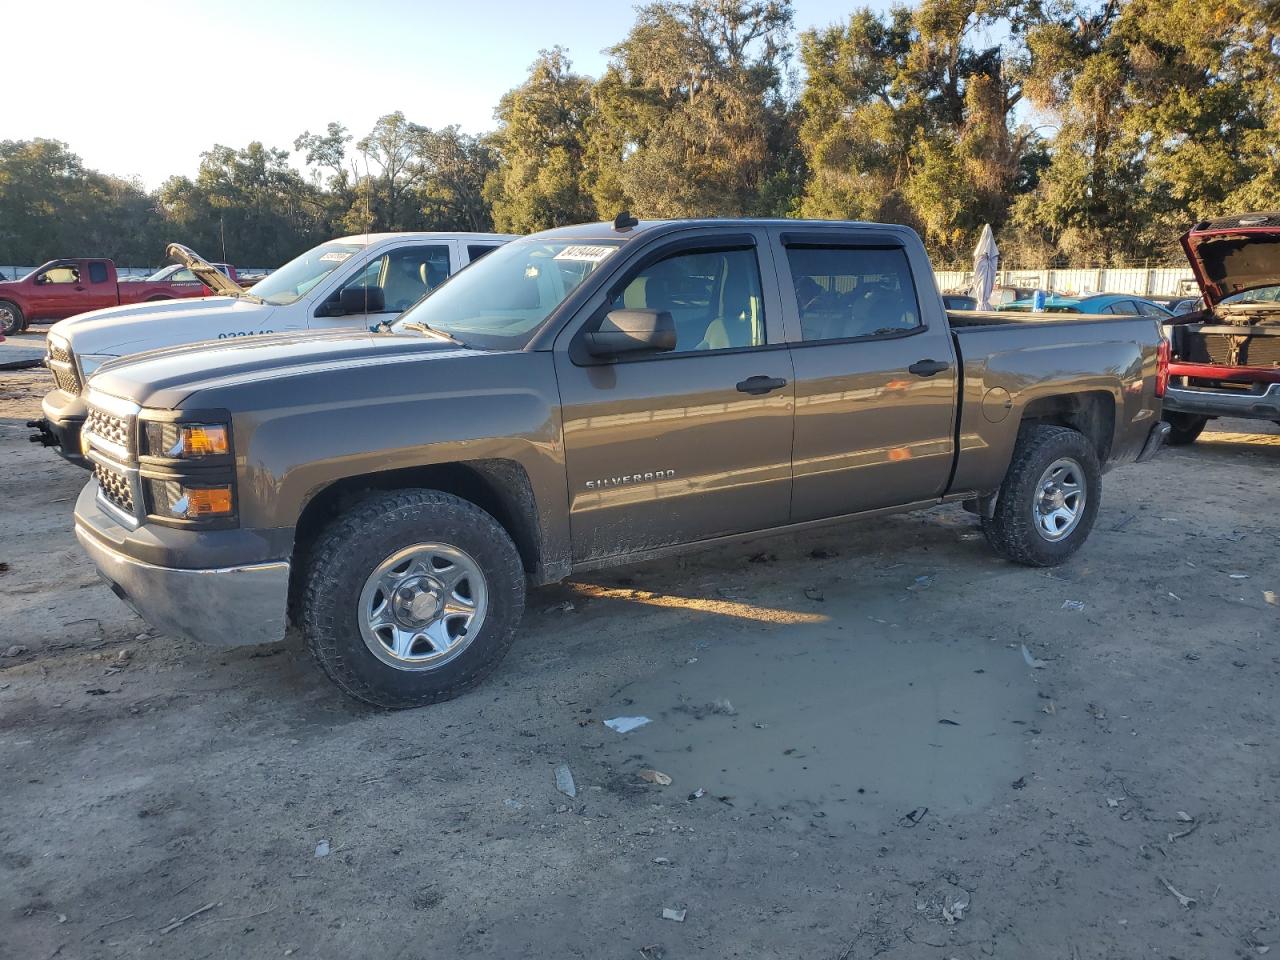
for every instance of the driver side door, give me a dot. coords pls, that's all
(404, 275)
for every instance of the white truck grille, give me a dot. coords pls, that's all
(61, 363)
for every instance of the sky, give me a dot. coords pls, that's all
(140, 89)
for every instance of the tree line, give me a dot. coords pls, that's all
(1090, 131)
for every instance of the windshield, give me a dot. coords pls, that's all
(164, 273)
(1260, 295)
(292, 281)
(499, 302)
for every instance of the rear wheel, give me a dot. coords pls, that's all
(412, 597)
(1184, 428)
(1049, 499)
(11, 319)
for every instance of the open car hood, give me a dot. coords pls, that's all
(211, 276)
(1233, 254)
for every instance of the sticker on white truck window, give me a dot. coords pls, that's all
(334, 257)
(585, 252)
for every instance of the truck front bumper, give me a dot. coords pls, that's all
(64, 416)
(1250, 405)
(222, 606)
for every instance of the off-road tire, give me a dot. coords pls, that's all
(15, 322)
(1011, 530)
(1184, 428)
(353, 545)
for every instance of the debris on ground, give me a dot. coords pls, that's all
(953, 912)
(1072, 604)
(948, 723)
(4, 568)
(670, 913)
(722, 706)
(813, 593)
(1019, 784)
(913, 817)
(921, 583)
(322, 849)
(662, 861)
(564, 781)
(656, 776)
(1271, 598)
(564, 607)
(626, 724)
(1032, 661)
(1115, 801)
(175, 923)
(1182, 898)
(698, 794)
(1238, 576)
(1175, 596)
(15, 650)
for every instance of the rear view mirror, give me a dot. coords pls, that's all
(632, 331)
(362, 300)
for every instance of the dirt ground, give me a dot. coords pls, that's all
(864, 762)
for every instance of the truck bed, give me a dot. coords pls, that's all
(999, 318)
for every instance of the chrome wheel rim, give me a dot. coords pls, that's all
(1059, 500)
(422, 606)
(8, 319)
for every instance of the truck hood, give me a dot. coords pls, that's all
(1234, 254)
(213, 278)
(163, 378)
(116, 331)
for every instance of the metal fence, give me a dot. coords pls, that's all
(1137, 281)
(138, 273)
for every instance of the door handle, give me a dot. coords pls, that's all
(927, 368)
(760, 385)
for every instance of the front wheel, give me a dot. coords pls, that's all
(411, 597)
(1184, 428)
(1049, 499)
(11, 319)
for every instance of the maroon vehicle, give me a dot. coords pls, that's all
(1226, 357)
(63, 288)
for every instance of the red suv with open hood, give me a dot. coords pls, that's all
(1226, 357)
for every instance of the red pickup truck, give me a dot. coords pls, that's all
(63, 288)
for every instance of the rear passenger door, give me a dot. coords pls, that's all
(690, 444)
(874, 368)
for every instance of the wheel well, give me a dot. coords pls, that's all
(1093, 414)
(499, 487)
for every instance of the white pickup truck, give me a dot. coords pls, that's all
(343, 283)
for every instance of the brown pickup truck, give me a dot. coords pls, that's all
(589, 396)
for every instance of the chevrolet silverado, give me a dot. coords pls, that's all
(588, 396)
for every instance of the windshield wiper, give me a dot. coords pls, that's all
(421, 327)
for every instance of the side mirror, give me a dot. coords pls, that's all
(41, 279)
(632, 331)
(355, 299)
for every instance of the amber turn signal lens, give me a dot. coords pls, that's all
(204, 440)
(208, 502)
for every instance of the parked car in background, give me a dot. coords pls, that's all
(959, 301)
(1226, 356)
(64, 288)
(1097, 303)
(585, 397)
(347, 282)
(181, 273)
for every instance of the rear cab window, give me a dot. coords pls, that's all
(97, 271)
(853, 292)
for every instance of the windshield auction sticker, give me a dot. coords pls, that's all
(585, 252)
(334, 257)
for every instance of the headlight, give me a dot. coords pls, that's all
(188, 441)
(90, 362)
(189, 500)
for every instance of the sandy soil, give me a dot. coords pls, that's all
(864, 764)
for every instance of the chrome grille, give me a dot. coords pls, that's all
(60, 361)
(112, 429)
(107, 437)
(115, 486)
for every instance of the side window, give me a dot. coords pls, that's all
(1150, 310)
(61, 274)
(712, 295)
(405, 275)
(1124, 307)
(845, 292)
(183, 276)
(97, 272)
(476, 251)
